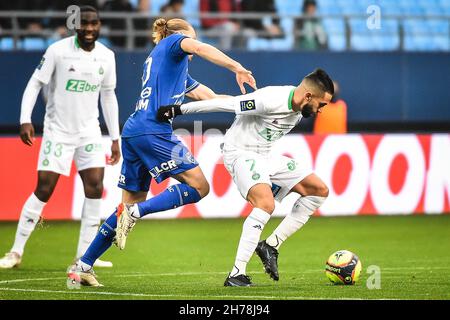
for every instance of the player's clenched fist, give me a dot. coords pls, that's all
(27, 133)
(167, 113)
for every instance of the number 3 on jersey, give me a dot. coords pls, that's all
(142, 103)
(147, 69)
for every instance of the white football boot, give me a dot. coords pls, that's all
(103, 264)
(84, 277)
(98, 263)
(125, 222)
(10, 260)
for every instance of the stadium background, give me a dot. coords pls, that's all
(394, 80)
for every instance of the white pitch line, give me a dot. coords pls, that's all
(179, 296)
(73, 291)
(175, 295)
(300, 272)
(171, 274)
(129, 275)
(174, 274)
(26, 280)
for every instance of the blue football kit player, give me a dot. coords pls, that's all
(149, 147)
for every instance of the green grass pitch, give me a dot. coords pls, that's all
(189, 259)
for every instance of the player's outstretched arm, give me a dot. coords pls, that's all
(244, 104)
(28, 101)
(216, 56)
(203, 92)
(167, 113)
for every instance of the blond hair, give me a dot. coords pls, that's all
(163, 28)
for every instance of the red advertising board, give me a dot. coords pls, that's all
(366, 174)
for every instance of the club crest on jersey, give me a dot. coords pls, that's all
(190, 157)
(163, 167)
(248, 105)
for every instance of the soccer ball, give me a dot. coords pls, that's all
(343, 267)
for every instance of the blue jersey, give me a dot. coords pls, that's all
(165, 81)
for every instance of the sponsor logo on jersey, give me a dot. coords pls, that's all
(146, 92)
(101, 71)
(271, 134)
(142, 104)
(248, 105)
(41, 63)
(93, 147)
(81, 86)
(70, 58)
(163, 167)
(190, 157)
(281, 125)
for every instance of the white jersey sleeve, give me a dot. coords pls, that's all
(46, 67)
(109, 81)
(263, 101)
(263, 117)
(252, 103)
(110, 109)
(29, 99)
(266, 101)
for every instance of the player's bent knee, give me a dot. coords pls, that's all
(94, 190)
(268, 207)
(260, 196)
(323, 190)
(44, 191)
(42, 195)
(203, 189)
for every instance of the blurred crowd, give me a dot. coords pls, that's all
(226, 33)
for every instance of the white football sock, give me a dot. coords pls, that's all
(134, 211)
(90, 222)
(83, 266)
(251, 231)
(29, 217)
(303, 208)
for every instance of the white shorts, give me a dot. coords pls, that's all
(250, 168)
(56, 154)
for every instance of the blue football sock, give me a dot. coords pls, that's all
(173, 197)
(102, 240)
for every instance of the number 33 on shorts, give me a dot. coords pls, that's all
(57, 156)
(50, 154)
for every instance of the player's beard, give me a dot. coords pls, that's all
(307, 110)
(84, 41)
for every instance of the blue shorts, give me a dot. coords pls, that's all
(152, 156)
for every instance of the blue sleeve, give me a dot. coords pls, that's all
(191, 84)
(175, 46)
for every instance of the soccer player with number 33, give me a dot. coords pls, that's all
(76, 71)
